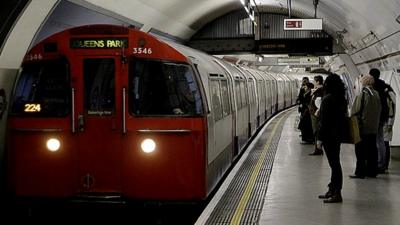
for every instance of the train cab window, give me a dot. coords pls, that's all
(43, 90)
(99, 86)
(162, 88)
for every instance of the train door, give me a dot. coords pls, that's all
(98, 123)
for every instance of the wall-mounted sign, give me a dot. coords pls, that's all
(302, 24)
(300, 46)
(299, 61)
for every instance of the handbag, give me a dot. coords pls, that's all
(296, 122)
(351, 134)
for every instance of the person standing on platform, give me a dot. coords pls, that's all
(316, 96)
(380, 87)
(333, 112)
(367, 108)
(300, 96)
(305, 125)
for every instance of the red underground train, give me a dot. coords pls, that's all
(104, 111)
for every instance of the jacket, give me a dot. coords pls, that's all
(367, 108)
(331, 122)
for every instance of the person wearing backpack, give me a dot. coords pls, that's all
(388, 127)
(367, 108)
(380, 87)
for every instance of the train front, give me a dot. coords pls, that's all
(103, 112)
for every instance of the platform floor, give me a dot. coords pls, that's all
(297, 179)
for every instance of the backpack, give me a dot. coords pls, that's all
(390, 99)
(382, 88)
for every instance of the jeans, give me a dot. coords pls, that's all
(380, 144)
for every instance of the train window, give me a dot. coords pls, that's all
(243, 93)
(263, 94)
(216, 99)
(99, 86)
(43, 90)
(225, 98)
(238, 95)
(268, 92)
(163, 88)
(251, 90)
(259, 91)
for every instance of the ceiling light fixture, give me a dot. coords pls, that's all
(368, 38)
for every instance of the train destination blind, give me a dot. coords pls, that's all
(99, 43)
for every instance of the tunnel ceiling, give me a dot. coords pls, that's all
(351, 19)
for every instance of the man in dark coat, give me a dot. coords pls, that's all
(380, 86)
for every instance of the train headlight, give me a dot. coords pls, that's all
(53, 144)
(148, 145)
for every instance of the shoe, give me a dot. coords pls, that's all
(356, 177)
(336, 198)
(317, 152)
(327, 195)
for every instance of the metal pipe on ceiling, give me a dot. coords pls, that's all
(289, 5)
(315, 2)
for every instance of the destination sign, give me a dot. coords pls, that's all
(98, 43)
(302, 24)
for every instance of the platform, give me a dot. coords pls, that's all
(287, 194)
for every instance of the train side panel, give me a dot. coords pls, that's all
(241, 107)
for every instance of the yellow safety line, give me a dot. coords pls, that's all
(250, 185)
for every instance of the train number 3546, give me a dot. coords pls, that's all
(146, 51)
